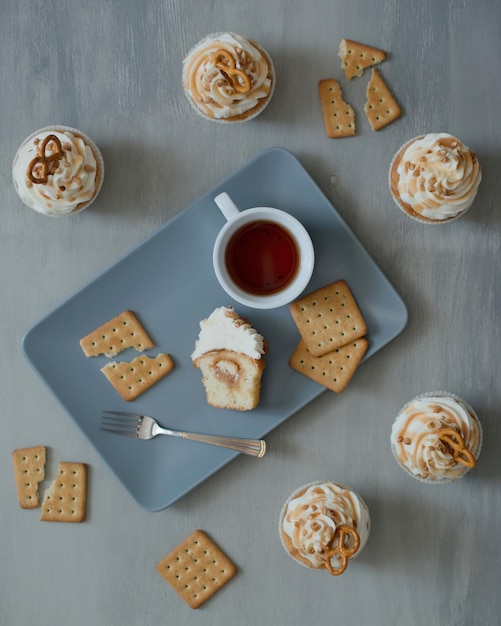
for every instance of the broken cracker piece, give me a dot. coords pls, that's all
(333, 370)
(356, 57)
(133, 378)
(196, 569)
(381, 107)
(122, 332)
(66, 499)
(29, 471)
(338, 115)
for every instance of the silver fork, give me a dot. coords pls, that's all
(145, 427)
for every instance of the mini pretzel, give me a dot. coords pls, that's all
(341, 549)
(455, 443)
(48, 163)
(226, 64)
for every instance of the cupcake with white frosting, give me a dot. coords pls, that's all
(58, 171)
(324, 525)
(230, 355)
(434, 178)
(436, 437)
(228, 78)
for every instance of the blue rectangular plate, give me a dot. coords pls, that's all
(169, 283)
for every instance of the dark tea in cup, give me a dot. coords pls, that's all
(262, 257)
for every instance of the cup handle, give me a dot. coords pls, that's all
(226, 205)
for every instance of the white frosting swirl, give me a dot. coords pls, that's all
(310, 520)
(438, 176)
(415, 437)
(211, 89)
(73, 183)
(224, 330)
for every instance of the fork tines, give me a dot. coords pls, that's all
(120, 423)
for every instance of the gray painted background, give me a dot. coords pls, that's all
(113, 70)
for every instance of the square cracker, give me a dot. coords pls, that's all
(66, 499)
(333, 370)
(328, 318)
(356, 57)
(338, 115)
(196, 569)
(29, 471)
(133, 378)
(381, 107)
(122, 332)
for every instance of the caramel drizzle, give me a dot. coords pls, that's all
(341, 549)
(455, 445)
(44, 164)
(238, 79)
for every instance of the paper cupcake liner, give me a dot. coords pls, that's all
(247, 115)
(363, 541)
(415, 216)
(97, 155)
(476, 453)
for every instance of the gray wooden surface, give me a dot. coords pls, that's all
(113, 69)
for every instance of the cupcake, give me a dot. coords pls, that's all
(323, 525)
(230, 355)
(228, 78)
(58, 171)
(436, 438)
(434, 178)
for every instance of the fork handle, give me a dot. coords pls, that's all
(253, 447)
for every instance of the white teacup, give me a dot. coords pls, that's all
(263, 257)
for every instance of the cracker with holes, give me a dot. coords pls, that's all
(66, 499)
(356, 57)
(29, 471)
(333, 370)
(338, 115)
(122, 332)
(381, 107)
(132, 378)
(328, 318)
(196, 569)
